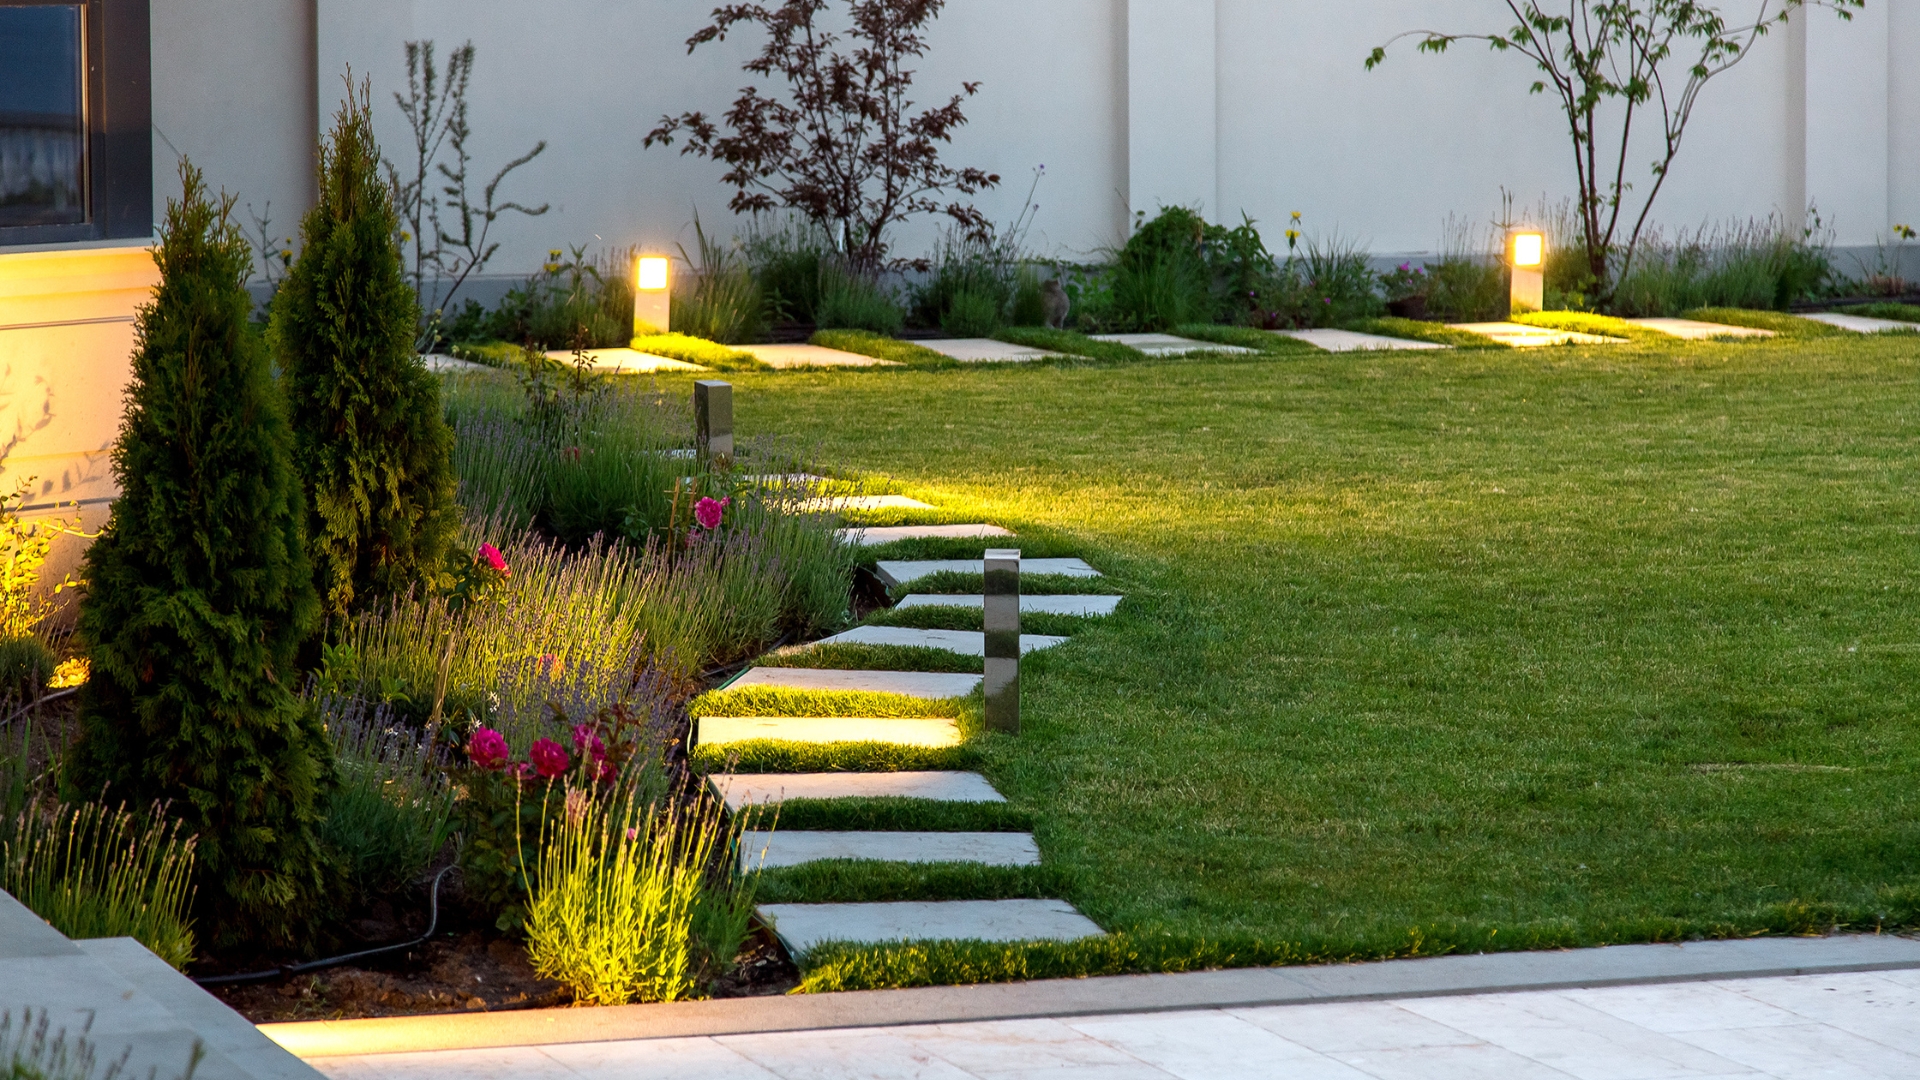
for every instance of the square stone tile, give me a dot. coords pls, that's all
(1695, 330)
(1682, 1007)
(1862, 324)
(1570, 1037)
(790, 847)
(657, 1059)
(902, 731)
(899, 572)
(1213, 1045)
(984, 350)
(1354, 1025)
(842, 1055)
(1085, 606)
(964, 642)
(802, 926)
(874, 535)
(1002, 1047)
(1806, 1052)
(1167, 344)
(790, 357)
(1351, 341)
(921, 684)
(1522, 336)
(766, 789)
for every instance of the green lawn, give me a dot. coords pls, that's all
(1427, 651)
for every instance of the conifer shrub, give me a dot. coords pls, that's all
(372, 447)
(199, 592)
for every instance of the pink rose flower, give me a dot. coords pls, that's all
(487, 749)
(585, 741)
(549, 760)
(708, 512)
(491, 556)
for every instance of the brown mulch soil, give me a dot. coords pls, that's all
(472, 971)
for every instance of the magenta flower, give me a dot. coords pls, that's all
(549, 760)
(708, 512)
(491, 556)
(586, 741)
(487, 749)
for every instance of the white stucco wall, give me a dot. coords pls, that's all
(1259, 106)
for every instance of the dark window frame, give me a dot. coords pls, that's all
(119, 180)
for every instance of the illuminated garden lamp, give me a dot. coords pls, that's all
(652, 308)
(1527, 258)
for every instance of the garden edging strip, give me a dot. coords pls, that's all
(1615, 965)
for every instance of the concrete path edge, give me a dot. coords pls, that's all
(1616, 965)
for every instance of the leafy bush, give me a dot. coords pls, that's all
(200, 593)
(1755, 264)
(850, 302)
(1465, 289)
(1331, 285)
(371, 444)
(24, 605)
(788, 264)
(94, 872)
(390, 814)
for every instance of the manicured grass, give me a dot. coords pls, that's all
(895, 814)
(941, 617)
(853, 657)
(1443, 650)
(700, 351)
(1785, 325)
(954, 581)
(1903, 312)
(774, 755)
(1070, 342)
(1416, 330)
(780, 701)
(1246, 337)
(860, 881)
(882, 347)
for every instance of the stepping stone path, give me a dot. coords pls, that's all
(1084, 606)
(1521, 336)
(827, 503)
(441, 363)
(1167, 344)
(1695, 330)
(1861, 324)
(627, 361)
(900, 572)
(871, 536)
(1354, 341)
(803, 926)
(964, 642)
(985, 351)
(789, 357)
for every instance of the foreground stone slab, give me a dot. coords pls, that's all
(626, 361)
(444, 364)
(1353, 341)
(1695, 330)
(739, 790)
(1086, 606)
(871, 536)
(964, 642)
(1167, 344)
(789, 357)
(772, 850)
(920, 684)
(1861, 324)
(985, 350)
(899, 572)
(897, 731)
(846, 503)
(803, 926)
(1521, 336)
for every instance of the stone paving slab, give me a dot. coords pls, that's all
(1091, 606)
(1635, 969)
(871, 536)
(1695, 330)
(1167, 344)
(802, 926)
(442, 363)
(964, 642)
(846, 503)
(898, 731)
(899, 572)
(920, 684)
(1521, 336)
(789, 357)
(1861, 324)
(792, 848)
(626, 361)
(767, 789)
(985, 350)
(1353, 341)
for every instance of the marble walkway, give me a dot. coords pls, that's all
(1848, 1026)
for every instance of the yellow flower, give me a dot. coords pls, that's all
(71, 672)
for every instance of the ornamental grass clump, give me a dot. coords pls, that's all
(199, 594)
(95, 872)
(371, 444)
(391, 813)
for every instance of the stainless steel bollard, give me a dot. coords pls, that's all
(713, 418)
(1002, 619)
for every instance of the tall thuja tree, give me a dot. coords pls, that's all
(372, 445)
(199, 593)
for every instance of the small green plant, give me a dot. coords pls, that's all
(725, 303)
(850, 302)
(971, 314)
(95, 872)
(33, 1051)
(390, 814)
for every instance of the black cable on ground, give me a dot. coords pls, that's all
(433, 921)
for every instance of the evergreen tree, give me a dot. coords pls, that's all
(372, 446)
(199, 592)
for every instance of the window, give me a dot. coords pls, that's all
(75, 149)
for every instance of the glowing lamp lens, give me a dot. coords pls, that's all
(653, 272)
(1529, 249)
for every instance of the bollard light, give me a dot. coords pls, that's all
(652, 295)
(1002, 623)
(713, 419)
(1526, 262)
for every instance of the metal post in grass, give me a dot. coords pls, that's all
(713, 418)
(1002, 622)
